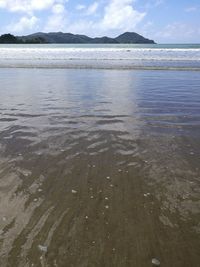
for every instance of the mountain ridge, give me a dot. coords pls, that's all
(60, 37)
(69, 38)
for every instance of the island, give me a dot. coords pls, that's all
(69, 38)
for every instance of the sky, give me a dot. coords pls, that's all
(165, 21)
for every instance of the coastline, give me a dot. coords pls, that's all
(103, 68)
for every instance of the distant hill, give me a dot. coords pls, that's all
(59, 38)
(69, 38)
(8, 39)
(104, 40)
(133, 38)
(11, 39)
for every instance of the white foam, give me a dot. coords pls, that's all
(50, 56)
(99, 54)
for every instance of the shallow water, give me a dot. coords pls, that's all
(99, 168)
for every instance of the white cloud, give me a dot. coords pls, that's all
(29, 21)
(57, 20)
(25, 23)
(92, 8)
(115, 17)
(55, 23)
(28, 6)
(58, 9)
(178, 32)
(120, 14)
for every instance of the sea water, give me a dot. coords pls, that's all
(99, 167)
(102, 56)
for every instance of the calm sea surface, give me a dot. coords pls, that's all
(99, 168)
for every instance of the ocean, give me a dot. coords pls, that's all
(99, 155)
(183, 57)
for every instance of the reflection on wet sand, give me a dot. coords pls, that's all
(99, 168)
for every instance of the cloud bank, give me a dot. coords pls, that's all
(113, 17)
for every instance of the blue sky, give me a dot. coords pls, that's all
(165, 21)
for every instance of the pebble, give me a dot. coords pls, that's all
(106, 198)
(35, 200)
(111, 185)
(147, 194)
(74, 191)
(42, 248)
(86, 217)
(39, 190)
(108, 177)
(4, 219)
(91, 197)
(107, 207)
(155, 262)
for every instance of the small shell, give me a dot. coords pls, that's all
(155, 262)
(42, 248)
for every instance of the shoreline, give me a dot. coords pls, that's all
(98, 67)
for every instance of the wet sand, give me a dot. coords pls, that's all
(99, 168)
